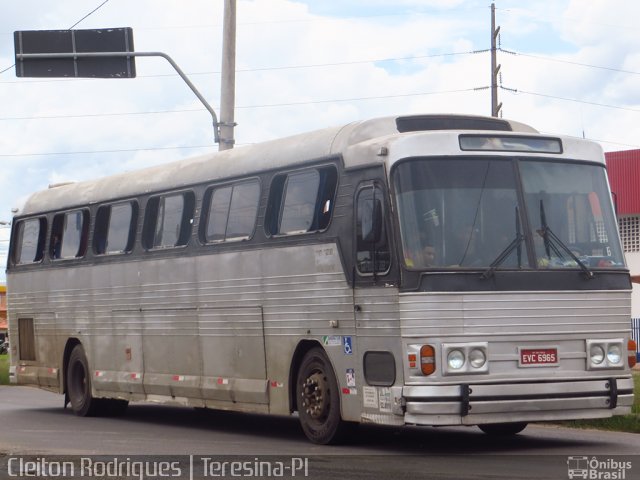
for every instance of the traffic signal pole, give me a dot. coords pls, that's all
(228, 84)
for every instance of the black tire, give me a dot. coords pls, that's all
(318, 399)
(503, 429)
(79, 384)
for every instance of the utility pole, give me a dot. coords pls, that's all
(228, 84)
(495, 68)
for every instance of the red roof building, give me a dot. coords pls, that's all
(624, 175)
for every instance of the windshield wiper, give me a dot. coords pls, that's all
(552, 242)
(515, 243)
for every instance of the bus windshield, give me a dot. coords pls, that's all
(466, 213)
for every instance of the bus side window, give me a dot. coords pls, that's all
(115, 228)
(168, 220)
(372, 247)
(30, 238)
(69, 234)
(232, 212)
(301, 202)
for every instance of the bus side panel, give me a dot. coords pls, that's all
(38, 328)
(306, 296)
(231, 327)
(380, 349)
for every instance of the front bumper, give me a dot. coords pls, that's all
(472, 404)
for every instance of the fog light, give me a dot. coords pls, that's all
(477, 358)
(455, 359)
(614, 354)
(597, 354)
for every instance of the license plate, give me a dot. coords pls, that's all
(538, 357)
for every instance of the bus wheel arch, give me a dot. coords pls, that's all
(301, 350)
(68, 348)
(318, 398)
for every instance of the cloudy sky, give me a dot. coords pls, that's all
(568, 67)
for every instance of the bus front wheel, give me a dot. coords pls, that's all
(79, 384)
(503, 429)
(318, 399)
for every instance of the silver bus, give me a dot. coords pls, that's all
(411, 270)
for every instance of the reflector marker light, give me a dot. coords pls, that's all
(632, 347)
(413, 360)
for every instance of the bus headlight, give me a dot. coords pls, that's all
(455, 359)
(477, 358)
(614, 354)
(603, 354)
(596, 354)
(465, 358)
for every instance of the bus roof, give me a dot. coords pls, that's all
(255, 158)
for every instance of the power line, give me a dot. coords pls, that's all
(569, 62)
(356, 99)
(267, 105)
(314, 19)
(123, 150)
(614, 143)
(89, 14)
(111, 114)
(315, 102)
(547, 20)
(284, 67)
(7, 69)
(566, 99)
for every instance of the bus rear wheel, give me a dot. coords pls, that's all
(503, 429)
(79, 384)
(318, 399)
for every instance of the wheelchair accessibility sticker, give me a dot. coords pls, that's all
(348, 346)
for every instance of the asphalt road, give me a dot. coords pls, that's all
(33, 422)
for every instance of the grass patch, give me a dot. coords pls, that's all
(4, 369)
(624, 423)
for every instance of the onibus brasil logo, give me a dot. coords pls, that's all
(597, 469)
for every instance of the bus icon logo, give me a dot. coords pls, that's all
(578, 467)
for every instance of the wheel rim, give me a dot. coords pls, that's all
(315, 396)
